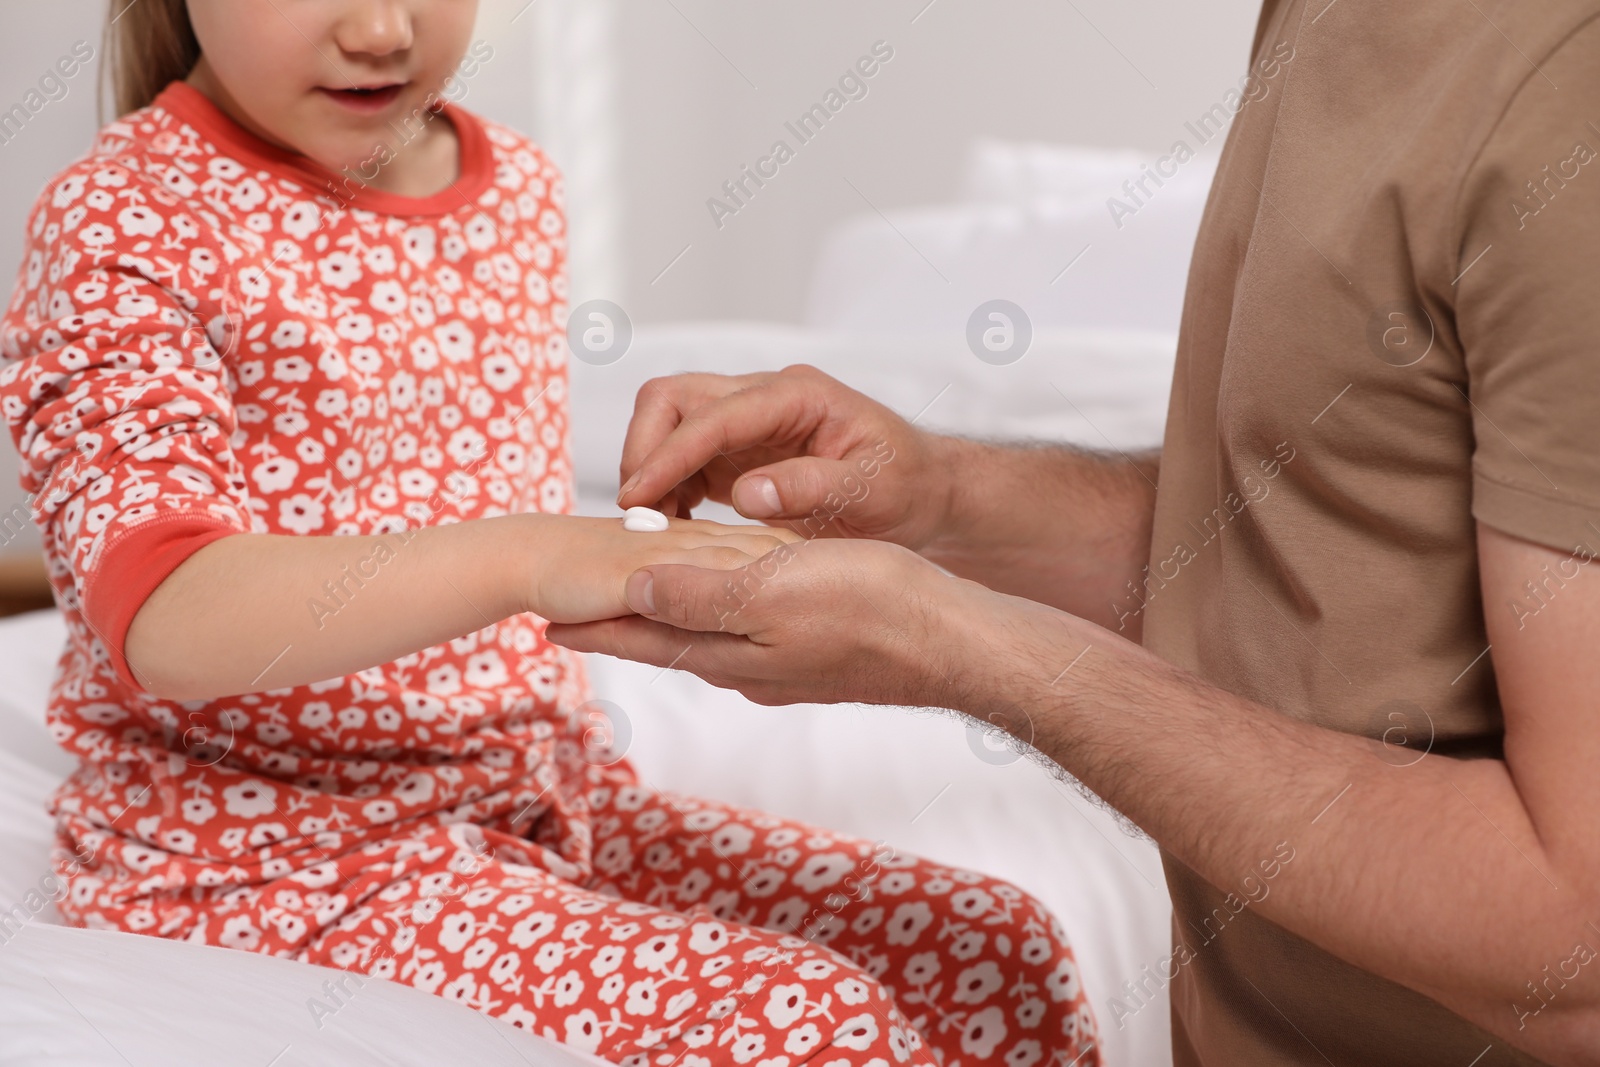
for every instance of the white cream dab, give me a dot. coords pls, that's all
(644, 520)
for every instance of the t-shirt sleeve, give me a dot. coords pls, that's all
(1528, 304)
(116, 391)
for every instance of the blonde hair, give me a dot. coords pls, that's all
(147, 44)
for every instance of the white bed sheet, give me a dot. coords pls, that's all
(85, 998)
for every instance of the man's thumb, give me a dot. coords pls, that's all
(688, 597)
(791, 489)
(640, 592)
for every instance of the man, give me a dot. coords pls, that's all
(1361, 723)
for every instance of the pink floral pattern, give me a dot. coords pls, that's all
(204, 338)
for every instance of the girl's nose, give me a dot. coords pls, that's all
(374, 27)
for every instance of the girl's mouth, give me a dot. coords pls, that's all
(363, 101)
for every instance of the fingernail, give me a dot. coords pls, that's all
(627, 486)
(641, 593)
(758, 497)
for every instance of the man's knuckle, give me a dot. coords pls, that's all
(649, 397)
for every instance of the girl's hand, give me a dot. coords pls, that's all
(578, 567)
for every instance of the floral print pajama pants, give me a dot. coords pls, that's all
(695, 933)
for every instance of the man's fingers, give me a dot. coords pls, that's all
(660, 408)
(644, 641)
(627, 638)
(655, 415)
(779, 410)
(682, 498)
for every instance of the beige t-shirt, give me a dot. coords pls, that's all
(1392, 327)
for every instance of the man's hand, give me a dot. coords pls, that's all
(777, 447)
(1052, 523)
(819, 621)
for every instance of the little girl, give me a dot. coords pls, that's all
(286, 368)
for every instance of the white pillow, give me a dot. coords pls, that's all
(1016, 172)
(1038, 228)
(1099, 388)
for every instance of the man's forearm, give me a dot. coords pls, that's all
(1465, 905)
(264, 611)
(1056, 524)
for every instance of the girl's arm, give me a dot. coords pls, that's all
(251, 612)
(121, 405)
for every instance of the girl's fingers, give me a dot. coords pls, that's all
(756, 545)
(726, 553)
(717, 558)
(712, 528)
(774, 535)
(684, 496)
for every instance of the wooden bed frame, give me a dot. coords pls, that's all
(24, 583)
